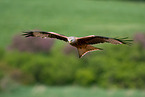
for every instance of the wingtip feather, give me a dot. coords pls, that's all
(27, 33)
(125, 40)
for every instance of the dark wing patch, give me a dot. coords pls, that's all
(43, 34)
(100, 39)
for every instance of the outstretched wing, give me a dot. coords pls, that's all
(44, 34)
(100, 39)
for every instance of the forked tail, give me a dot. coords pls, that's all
(83, 50)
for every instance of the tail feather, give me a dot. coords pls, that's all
(83, 50)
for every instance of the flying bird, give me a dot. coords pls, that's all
(83, 44)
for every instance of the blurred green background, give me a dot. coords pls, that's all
(48, 68)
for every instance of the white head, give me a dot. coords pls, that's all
(71, 39)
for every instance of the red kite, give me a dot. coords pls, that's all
(83, 44)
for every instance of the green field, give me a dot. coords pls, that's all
(72, 18)
(67, 91)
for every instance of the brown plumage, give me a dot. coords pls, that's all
(83, 44)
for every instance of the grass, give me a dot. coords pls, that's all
(71, 17)
(69, 91)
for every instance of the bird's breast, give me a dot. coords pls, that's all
(77, 45)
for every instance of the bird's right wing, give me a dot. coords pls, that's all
(44, 34)
(100, 39)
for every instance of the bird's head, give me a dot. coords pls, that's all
(71, 39)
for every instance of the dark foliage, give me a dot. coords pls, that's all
(68, 49)
(31, 44)
(140, 39)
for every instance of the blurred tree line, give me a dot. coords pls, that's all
(117, 66)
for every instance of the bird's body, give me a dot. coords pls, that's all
(83, 44)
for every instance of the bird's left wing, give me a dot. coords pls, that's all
(44, 34)
(100, 39)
